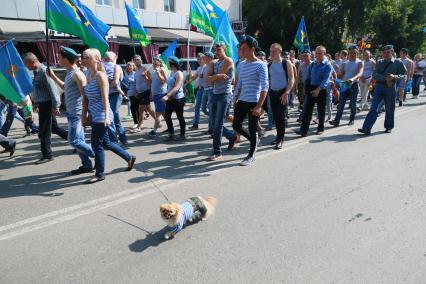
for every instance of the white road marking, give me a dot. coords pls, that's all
(67, 214)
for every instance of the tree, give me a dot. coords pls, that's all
(332, 22)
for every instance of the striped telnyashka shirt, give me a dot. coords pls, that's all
(252, 80)
(96, 106)
(188, 213)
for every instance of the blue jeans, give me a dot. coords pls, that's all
(205, 101)
(218, 107)
(351, 94)
(76, 140)
(386, 94)
(115, 100)
(198, 102)
(100, 140)
(207, 97)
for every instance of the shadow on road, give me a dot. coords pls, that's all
(151, 240)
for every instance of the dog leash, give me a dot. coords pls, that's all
(158, 188)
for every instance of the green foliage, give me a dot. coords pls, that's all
(333, 22)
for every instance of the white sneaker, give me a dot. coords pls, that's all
(134, 126)
(247, 161)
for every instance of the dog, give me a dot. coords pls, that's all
(193, 210)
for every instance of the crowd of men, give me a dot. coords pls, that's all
(228, 92)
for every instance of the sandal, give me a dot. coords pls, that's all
(94, 179)
(136, 130)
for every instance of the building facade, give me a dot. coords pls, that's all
(23, 21)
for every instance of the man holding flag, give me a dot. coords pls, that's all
(46, 96)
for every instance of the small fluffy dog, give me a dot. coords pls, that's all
(193, 210)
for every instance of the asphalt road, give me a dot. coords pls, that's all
(337, 208)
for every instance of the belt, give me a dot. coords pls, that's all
(278, 91)
(198, 205)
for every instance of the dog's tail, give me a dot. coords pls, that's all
(211, 200)
(210, 203)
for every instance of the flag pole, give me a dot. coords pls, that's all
(187, 47)
(134, 49)
(47, 32)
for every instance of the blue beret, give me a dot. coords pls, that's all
(174, 59)
(69, 52)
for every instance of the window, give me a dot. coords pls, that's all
(169, 5)
(103, 2)
(139, 4)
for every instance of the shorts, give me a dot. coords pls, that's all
(160, 106)
(144, 98)
(400, 85)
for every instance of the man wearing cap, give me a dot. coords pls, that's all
(46, 98)
(252, 89)
(261, 55)
(73, 87)
(316, 86)
(403, 85)
(351, 72)
(221, 73)
(388, 71)
(199, 96)
(281, 80)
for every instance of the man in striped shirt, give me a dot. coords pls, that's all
(252, 88)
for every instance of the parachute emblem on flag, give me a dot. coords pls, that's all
(212, 14)
(12, 71)
(76, 11)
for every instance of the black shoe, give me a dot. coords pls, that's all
(74, 151)
(388, 131)
(81, 170)
(231, 144)
(194, 127)
(333, 122)
(12, 149)
(400, 103)
(320, 132)
(180, 138)
(364, 131)
(351, 122)
(131, 164)
(278, 145)
(298, 132)
(43, 161)
(170, 138)
(274, 142)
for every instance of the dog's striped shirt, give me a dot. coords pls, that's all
(187, 214)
